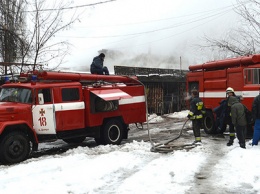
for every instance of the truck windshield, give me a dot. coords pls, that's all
(22, 95)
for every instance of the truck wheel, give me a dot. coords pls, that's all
(14, 147)
(74, 140)
(209, 123)
(112, 132)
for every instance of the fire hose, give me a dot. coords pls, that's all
(166, 146)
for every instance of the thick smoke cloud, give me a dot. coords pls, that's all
(148, 33)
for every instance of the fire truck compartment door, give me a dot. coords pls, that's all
(111, 94)
(44, 119)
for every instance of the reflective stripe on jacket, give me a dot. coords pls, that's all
(196, 108)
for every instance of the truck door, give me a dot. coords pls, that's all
(43, 112)
(69, 111)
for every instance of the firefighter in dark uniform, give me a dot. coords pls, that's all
(97, 67)
(232, 134)
(196, 115)
(223, 114)
(238, 117)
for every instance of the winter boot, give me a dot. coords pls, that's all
(231, 141)
(243, 145)
(197, 141)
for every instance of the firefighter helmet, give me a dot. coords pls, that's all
(229, 89)
(194, 91)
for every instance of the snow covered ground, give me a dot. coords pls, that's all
(133, 168)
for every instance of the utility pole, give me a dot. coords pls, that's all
(180, 65)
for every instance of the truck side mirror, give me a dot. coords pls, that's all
(40, 98)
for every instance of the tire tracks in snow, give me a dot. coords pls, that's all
(204, 180)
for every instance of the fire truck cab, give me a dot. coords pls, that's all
(212, 78)
(48, 106)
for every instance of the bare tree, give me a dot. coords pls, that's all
(244, 40)
(12, 30)
(45, 24)
(35, 42)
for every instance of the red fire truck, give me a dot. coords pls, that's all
(212, 79)
(48, 106)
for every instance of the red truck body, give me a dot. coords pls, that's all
(67, 106)
(212, 79)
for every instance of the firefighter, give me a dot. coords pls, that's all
(256, 116)
(238, 117)
(228, 120)
(224, 118)
(97, 67)
(196, 115)
(220, 116)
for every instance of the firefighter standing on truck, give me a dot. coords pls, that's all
(196, 115)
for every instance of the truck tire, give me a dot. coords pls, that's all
(209, 122)
(75, 140)
(112, 132)
(14, 147)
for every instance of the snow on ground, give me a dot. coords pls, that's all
(153, 118)
(182, 114)
(133, 168)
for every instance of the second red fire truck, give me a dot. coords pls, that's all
(212, 79)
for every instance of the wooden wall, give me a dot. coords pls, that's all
(165, 88)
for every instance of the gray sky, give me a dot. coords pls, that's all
(165, 30)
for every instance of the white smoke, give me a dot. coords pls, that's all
(147, 33)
